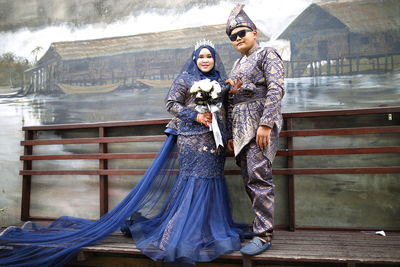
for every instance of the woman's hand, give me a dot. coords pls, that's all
(236, 85)
(204, 118)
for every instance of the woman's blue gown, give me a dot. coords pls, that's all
(195, 223)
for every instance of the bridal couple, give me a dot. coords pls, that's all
(187, 218)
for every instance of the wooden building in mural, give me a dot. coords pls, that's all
(101, 65)
(344, 37)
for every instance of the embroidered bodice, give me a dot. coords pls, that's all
(181, 103)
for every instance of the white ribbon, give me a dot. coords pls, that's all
(214, 126)
(214, 109)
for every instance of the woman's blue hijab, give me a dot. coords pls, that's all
(191, 66)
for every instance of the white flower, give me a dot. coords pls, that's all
(214, 95)
(205, 85)
(216, 86)
(198, 95)
(195, 88)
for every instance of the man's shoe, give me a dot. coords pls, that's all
(255, 247)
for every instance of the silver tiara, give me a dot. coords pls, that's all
(203, 42)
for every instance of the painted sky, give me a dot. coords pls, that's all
(270, 16)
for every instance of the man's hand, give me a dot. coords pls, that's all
(230, 82)
(263, 135)
(235, 85)
(229, 147)
(204, 118)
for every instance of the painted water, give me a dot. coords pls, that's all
(302, 94)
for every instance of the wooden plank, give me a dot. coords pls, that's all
(95, 125)
(126, 139)
(87, 172)
(361, 170)
(343, 112)
(288, 152)
(26, 180)
(392, 237)
(294, 171)
(290, 177)
(103, 179)
(102, 260)
(321, 251)
(60, 172)
(338, 151)
(92, 156)
(342, 131)
(40, 218)
(316, 228)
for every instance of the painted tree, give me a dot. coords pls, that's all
(9, 59)
(35, 52)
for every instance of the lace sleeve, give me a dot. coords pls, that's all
(176, 100)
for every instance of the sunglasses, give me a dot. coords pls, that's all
(241, 34)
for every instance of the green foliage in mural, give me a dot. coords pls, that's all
(12, 70)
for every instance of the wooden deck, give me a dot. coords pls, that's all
(307, 246)
(304, 247)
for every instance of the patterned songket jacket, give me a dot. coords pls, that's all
(258, 101)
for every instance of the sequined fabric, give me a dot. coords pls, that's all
(258, 101)
(257, 178)
(198, 157)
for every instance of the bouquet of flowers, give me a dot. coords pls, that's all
(207, 98)
(206, 92)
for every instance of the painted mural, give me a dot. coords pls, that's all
(113, 60)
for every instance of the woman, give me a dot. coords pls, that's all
(177, 218)
(196, 225)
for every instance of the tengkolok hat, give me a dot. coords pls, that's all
(239, 18)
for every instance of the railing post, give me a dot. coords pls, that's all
(103, 179)
(290, 165)
(26, 179)
(247, 262)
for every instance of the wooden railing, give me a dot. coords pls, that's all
(391, 125)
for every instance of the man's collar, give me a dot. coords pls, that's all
(253, 49)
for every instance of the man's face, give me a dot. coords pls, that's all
(245, 39)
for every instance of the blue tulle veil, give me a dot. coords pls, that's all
(58, 243)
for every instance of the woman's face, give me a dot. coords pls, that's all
(205, 61)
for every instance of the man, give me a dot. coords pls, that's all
(254, 121)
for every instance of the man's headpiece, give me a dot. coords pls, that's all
(239, 18)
